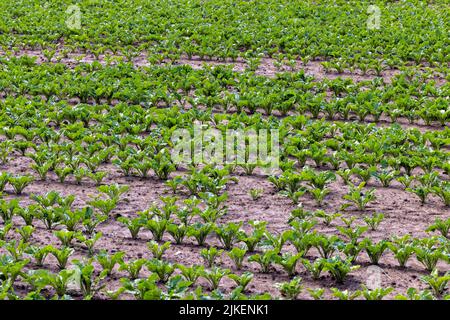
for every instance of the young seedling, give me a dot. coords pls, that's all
(375, 294)
(4, 230)
(19, 183)
(66, 237)
(143, 289)
(256, 193)
(325, 245)
(210, 255)
(162, 268)
(406, 181)
(214, 276)
(265, 260)
(289, 262)
(133, 267)
(345, 294)
(105, 206)
(59, 281)
(108, 262)
(61, 255)
(443, 192)
(133, 225)
(358, 198)
(114, 191)
(243, 280)
(317, 294)
(314, 268)
(327, 218)
(421, 192)
(158, 250)
(237, 255)
(338, 268)
(39, 254)
(25, 232)
(319, 195)
(253, 239)
(229, 234)
(438, 284)
(191, 273)
(178, 232)
(414, 294)
(402, 248)
(87, 280)
(292, 289)
(374, 221)
(157, 227)
(90, 241)
(428, 256)
(200, 232)
(375, 250)
(4, 179)
(443, 226)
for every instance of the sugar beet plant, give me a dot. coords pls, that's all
(93, 112)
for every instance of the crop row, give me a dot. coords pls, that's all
(413, 31)
(411, 95)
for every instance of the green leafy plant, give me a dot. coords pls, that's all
(143, 289)
(88, 282)
(178, 232)
(191, 273)
(158, 250)
(325, 245)
(242, 280)
(66, 237)
(374, 221)
(359, 198)
(19, 183)
(375, 294)
(265, 260)
(132, 267)
(108, 262)
(61, 255)
(157, 227)
(443, 226)
(228, 234)
(104, 205)
(314, 268)
(375, 250)
(345, 294)
(25, 232)
(420, 191)
(437, 283)
(402, 248)
(254, 238)
(90, 241)
(317, 294)
(163, 269)
(338, 268)
(256, 193)
(327, 218)
(200, 232)
(414, 294)
(214, 276)
(4, 230)
(210, 255)
(237, 255)
(291, 290)
(289, 262)
(428, 254)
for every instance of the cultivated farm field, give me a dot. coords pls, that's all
(115, 180)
